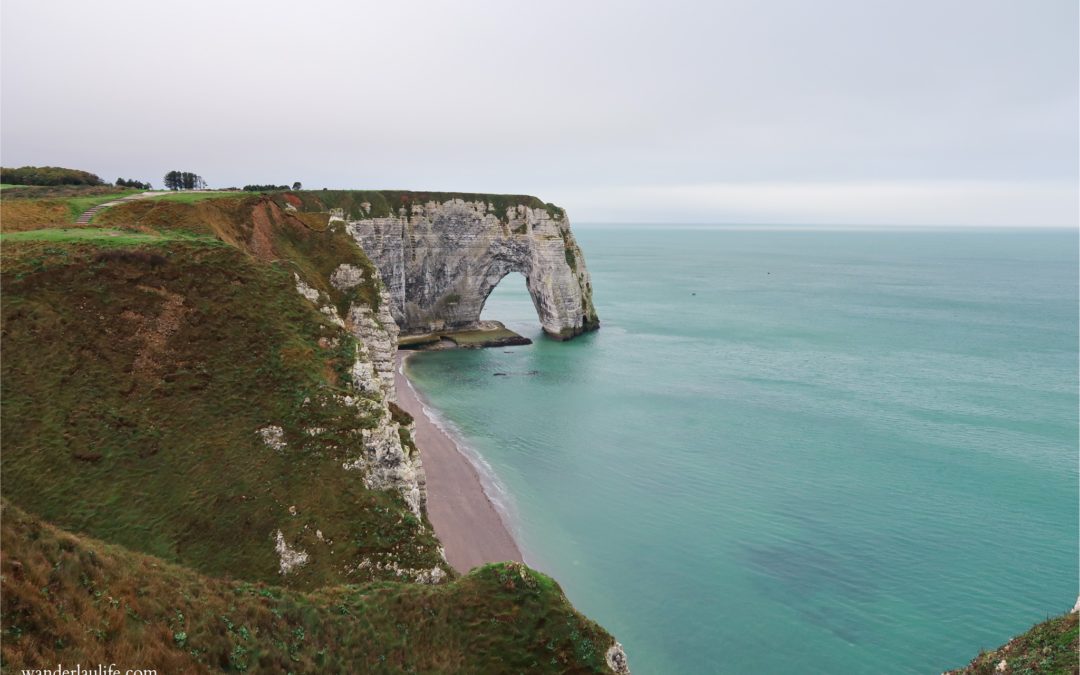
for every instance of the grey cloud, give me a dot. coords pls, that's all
(568, 100)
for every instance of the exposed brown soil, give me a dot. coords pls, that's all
(294, 200)
(23, 215)
(154, 333)
(261, 241)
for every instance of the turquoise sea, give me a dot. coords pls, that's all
(792, 451)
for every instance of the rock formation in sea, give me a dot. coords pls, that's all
(441, 260)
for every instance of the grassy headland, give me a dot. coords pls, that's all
(142, 361)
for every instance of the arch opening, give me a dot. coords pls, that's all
(510, 302)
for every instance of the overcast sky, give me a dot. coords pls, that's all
(745, 111)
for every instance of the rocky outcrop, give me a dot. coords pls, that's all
(378, 335)
(290, 558)
(440, 261)
(387, 464)
(616, 659)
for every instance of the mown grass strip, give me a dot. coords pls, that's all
(192, 197)
(104, 236)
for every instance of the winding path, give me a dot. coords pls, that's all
(84, 218)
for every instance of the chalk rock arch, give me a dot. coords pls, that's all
(440, 261)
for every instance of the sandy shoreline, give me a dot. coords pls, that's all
(464, 518)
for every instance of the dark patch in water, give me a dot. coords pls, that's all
(809, 575)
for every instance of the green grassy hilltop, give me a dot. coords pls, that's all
(144, 509)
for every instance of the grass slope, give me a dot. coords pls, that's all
(1049, 648)
(33, 208)
(133, 395)
(262, 226)
(140, 363)
(70, 599)
(192, 197)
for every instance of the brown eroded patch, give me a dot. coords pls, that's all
(37, 214)
(155, 333)
(262, 235)
(294, 201)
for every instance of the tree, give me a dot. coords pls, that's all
(184, 180)
(264, 188)
(297, 186)
(173, 181)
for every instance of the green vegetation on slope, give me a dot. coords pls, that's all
(266, 228)
(48, 175)
(383, 203)
(122, 374)
(99, 236)
(64, 191)
(143, 363)
(69, 599)
(191, 197)
(1049, 648)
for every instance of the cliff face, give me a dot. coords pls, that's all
(387, 463)
(225, 369)
(440, 261)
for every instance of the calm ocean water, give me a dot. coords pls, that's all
(849, 452)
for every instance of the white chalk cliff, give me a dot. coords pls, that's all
(440, 261)
(385, 462)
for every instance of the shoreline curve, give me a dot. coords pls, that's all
(466, 522)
